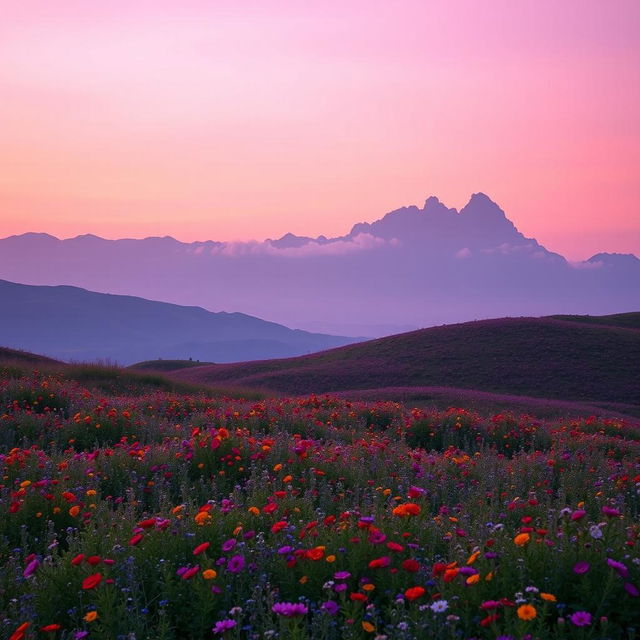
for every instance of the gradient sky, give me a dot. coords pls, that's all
(234, 120)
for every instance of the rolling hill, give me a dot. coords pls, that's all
(70, 323)
(537, 357)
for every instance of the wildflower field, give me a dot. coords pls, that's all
(161, 516)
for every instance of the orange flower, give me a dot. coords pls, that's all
(209, 574)
(202, 518)
(74, 511)
(521, 539)
(91, 616)
(368, 627)
(527, 612)
(406, 509)
(549, 597)
(413, 593)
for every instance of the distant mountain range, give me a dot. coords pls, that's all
(415, 267)
(74, 324)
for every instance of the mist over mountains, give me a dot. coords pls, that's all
(415, 267)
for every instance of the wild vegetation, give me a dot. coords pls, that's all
(133, 512)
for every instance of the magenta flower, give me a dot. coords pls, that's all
(227, 545)
(618, 567)
(330, 607)
(578, 514)
(341, 575)
(581, 619)
(223, 625)
(289, 609)
(581, 567)
(30, 569)
(610, 512)
(631, 589)
(236, 564)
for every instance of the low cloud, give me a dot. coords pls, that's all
(360, 242)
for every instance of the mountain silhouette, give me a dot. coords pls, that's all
(74, 324)
(414, 267)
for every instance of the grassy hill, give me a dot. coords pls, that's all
(540, 357)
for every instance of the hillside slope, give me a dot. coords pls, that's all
(74, 324)
(541, 357)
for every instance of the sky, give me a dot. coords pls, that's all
(238, 120)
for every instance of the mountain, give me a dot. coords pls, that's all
(574, 360)
(74, 324)
(414, 267)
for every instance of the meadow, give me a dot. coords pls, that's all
(138, 511)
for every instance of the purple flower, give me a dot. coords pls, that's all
(78, 635)
(236, 564)
(227, 545)
(223, 625)
(330, 607)
(341, 575)
(610, 512)
(340, 587)
(289, 609)
(30, 569)
(284, 550)
(581, 567)
(618, 567)
(631, 589)
(581, 618)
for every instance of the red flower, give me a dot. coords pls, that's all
(394, 546)
(94, 560)
(358, 597)
(379, 563)
(413, 593)
(149, 523)
(189, 573)
(77, 560)
(200, 548)
(92, 581)
(411, 565)
(136, 539)
(50, 627)
(18, 634)
(278, 526)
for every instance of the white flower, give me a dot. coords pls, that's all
(439, 606)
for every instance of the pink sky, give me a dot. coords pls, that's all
(232, 120)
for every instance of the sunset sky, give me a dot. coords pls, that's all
(236, 120)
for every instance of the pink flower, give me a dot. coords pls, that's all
(578, 514)
(30, 569)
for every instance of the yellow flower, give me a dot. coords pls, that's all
(527, 612)
(209, 574)
(368, 627)
(91, 616)
(521, 539)
(549, 597)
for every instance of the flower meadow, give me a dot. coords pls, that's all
(161, 516)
